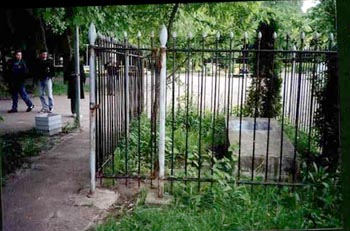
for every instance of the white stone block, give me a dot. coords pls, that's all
(49, 124)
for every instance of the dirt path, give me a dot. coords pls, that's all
(52, 193)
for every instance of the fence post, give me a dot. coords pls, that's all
(77, 80)
(127, 94)
(163, 37)
(92, 39)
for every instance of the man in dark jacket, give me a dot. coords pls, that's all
(17, 72)
(45, 71)
(70, 77)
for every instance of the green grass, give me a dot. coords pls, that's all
(224, 205)
(17, 148)
(241, 208)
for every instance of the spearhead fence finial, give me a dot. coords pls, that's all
(287, 36)
(231, 35)
(302, 35)
(92, 34)
(190, 36)
(125, 34)
(174, 34)
(218, 35)
(163, 36)
(204, 34)
(138, 34)
(259, 35)
(316, 35)
(152, 34)
(245, 36)
(274, 35)
(294, 48)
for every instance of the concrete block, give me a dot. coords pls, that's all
(49, 124)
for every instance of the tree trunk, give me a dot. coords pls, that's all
(172, 18)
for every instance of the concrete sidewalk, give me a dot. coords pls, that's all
(52, 194)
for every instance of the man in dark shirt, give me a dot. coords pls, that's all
(70, 77)
(16, 73)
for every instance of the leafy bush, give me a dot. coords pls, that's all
(186, 141)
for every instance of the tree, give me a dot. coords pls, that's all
(325, 24)
(264, 93)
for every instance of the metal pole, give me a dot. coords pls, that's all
(163, 37)
(87, 55)
(126, 105)
(77, 79)
(92, 39)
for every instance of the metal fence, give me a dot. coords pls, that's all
(119, 96)
(208, 118)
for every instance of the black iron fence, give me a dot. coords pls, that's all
(119, 97)
(230, 106)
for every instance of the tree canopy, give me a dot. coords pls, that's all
(52, 27)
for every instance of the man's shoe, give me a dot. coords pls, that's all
(30, 108)
(50, 110)
(43, 110)
(12, 111)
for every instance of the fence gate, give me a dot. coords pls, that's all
(249, 109)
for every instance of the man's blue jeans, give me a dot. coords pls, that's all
(22, 92)
(43, 86)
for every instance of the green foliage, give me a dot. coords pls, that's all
(16, 148)
(264, 93)
(54, 19)
(234, 208)
(303, 140)
(322, 190)
(325, 24)
(224, 205)
(327, 115)
(186, 135)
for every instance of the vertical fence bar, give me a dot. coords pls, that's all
(213, 116)
(192, 64)
(302, 37)
(283, 108)
(205, 79)
(244, 50)
(291, 89)
(270, 105)
(77, 79)
(109, 108)
(228, 96)
(187, 92)
(257, 89)
(139, 99)
(201, 107)
(126, 104)
(238, 86)
(98, 112)
(217, 78)
(232, 75)
(101, 120)
(173, 111)
(313, 76)
(153, 120)
(163, 37)
(92, 39)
